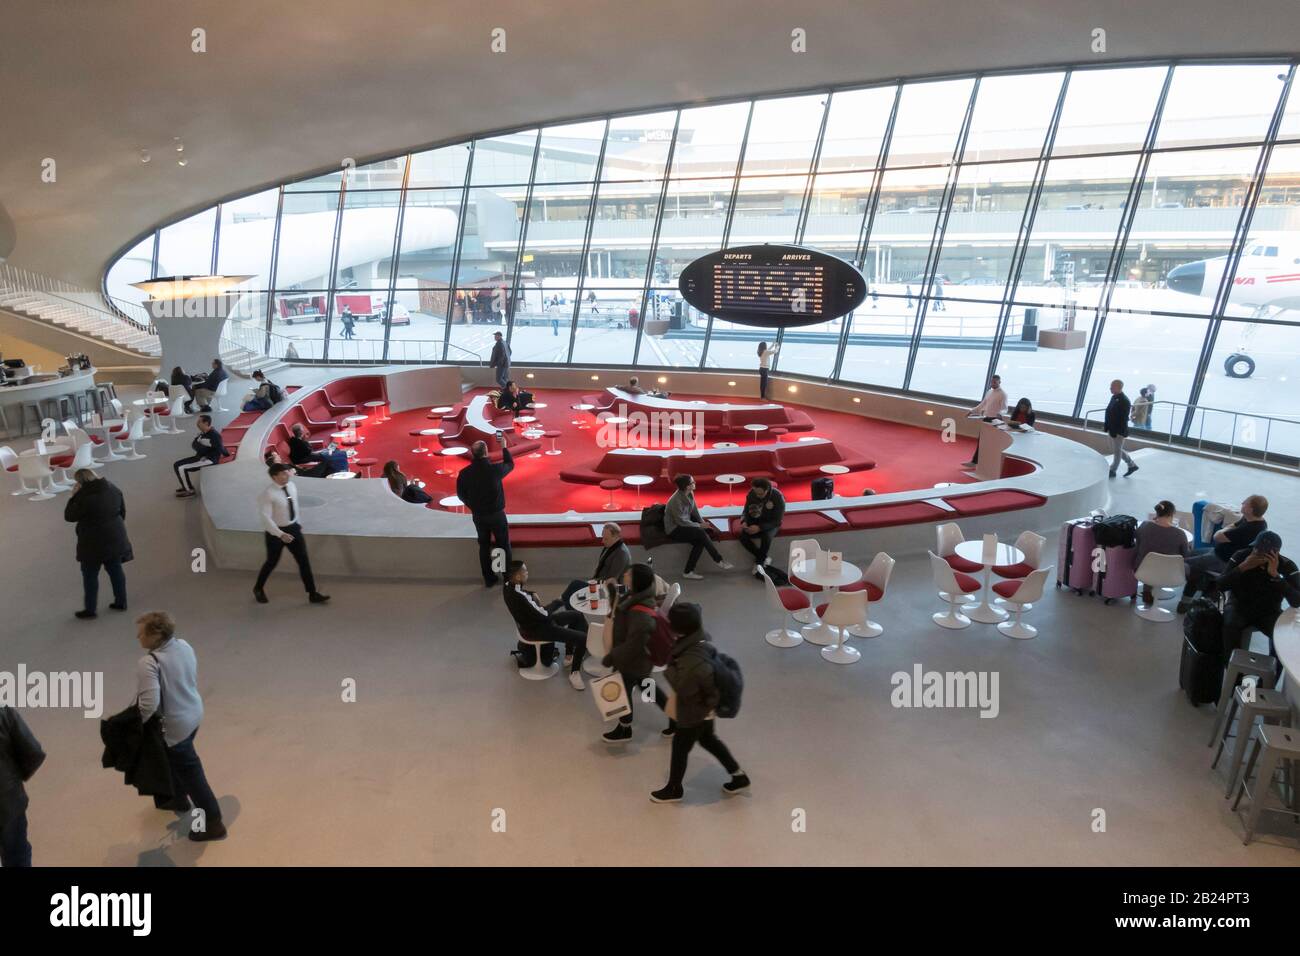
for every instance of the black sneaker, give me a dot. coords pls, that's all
(1131, 469)
(86, 615)
(1183, 606)
(215, 832)
(260, 595)
(317, 598)
(619, 734)
(736, 784)
(117, 607)
(667, 795)
(1112, 474)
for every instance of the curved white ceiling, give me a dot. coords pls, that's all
(289, 88)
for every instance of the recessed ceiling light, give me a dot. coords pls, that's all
(732, 384)
(663, 379)
(856, 400)
(529, 375)
(145, 156)
(595, 378)
(793, 388)
(929, 411)
(182, 161)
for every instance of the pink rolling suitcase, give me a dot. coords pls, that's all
(1116, 577)
(1074, 562)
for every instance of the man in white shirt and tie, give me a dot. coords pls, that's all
(278, 508)
(993, 405)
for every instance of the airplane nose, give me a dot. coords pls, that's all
(1187, 278)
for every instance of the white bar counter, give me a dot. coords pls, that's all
(37, 388)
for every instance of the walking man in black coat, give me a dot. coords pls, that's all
(20, 757)
(479, 486)
(99, 510)
(500, 361)
(1117, 427)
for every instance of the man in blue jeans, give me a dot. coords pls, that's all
(167, 683)
(20, 757)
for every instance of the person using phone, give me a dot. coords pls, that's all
(1258, 579)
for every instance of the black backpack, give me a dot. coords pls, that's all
(730, 683)
(652, 527)
(1117, 531)
(274, 392)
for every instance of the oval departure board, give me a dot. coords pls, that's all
(773, 286)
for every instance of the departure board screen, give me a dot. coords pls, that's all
(772, 286)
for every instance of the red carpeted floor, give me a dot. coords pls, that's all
(906, 458)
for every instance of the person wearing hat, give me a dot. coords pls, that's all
(1258, 579)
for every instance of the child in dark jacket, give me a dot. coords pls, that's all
(695, 698)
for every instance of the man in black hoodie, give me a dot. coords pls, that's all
(1117, 412)
(695, 697)
(479, 486)
(761, 520)
(20, 757)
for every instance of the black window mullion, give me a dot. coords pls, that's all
(1021, 252)
(801, 225)
(1121, 243)
(726, 223)
(936, 236)
(586, 243)
(275, 265)
(216, 240)
(1239, 240)
(397, 246)
(332, 282)
(509, 316)
(868, 221)
(454, 277)
(654, 239)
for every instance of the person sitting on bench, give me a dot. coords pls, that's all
(682, 522)
(514, 400)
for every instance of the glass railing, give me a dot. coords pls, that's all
(1238, 434)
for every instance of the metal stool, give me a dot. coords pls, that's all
(4, 421)
(1270, 706)
(1240, 664)
(34, 408)
(59, 407)
(83, 406)
(93, 399)
(108, 388)
(1280, 746)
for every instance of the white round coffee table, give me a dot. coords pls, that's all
(426, 432)
(441, 410)
(378, 406)
(637, 481)
(452, 452)
(755, 429)
(452, 502)
(725, 444)
(973, 550)
(342, 474)
(681, 431)
(834, 470)
(581, 407)
(821, 634)
(730, 481)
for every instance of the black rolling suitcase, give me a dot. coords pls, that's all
(823, 488)
(1200, 671)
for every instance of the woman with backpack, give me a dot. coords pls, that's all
(696, 695)
(634, 622)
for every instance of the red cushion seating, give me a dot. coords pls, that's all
(968, 584)
(1020, 570)
(962, 565)
(792, 599)
(803, 585)
(873, 593)
(62, 461)
(806, 523)
(551, 535)
(992, 502)
(888, 516)
(1007, 588)
(1013, 467)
